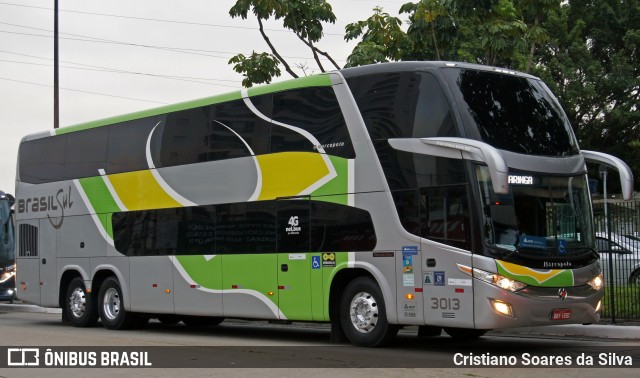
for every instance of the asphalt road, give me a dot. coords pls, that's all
(243, 348)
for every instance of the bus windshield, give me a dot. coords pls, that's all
(541, 216)
(6, 232)
(513, 113)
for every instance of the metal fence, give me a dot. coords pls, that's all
(618, 242)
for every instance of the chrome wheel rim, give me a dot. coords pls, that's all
(111, 304)
(77, 302)
(364, 312)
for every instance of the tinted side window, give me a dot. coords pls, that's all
(440, 214)
(444, 215)
(336, 228)
(159, 232)
(248, 227)
(86, 153)
(42, 160)
(128, 145)
(405, 170)
(185, 137)
(317, 111)
(403, 105)
(247, 127)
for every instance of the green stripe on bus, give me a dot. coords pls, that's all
(151, 112)
(340, 184)
(322, 80)
(100, 198)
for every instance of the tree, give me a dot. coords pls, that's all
(382, 39)
(303, 17)
(432, 24)
(591, 63)
(488, 32)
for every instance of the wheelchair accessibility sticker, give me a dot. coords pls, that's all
(315, 262)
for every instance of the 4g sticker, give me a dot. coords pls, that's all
(294, 228)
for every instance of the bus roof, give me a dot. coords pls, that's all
(308, 81)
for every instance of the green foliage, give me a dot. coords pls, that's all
(626, 300)
(381, 36)
(256, 69)
(303, 17)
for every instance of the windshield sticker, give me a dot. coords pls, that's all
(562, 247)
(534, 242)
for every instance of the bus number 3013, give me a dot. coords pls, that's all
(445, 303)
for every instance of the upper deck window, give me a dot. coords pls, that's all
(513, 113)
(403, 105)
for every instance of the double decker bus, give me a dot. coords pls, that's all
(442, 195)
(7, 244)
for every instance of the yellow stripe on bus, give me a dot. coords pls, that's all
(139, 190)
(540, 276)
(290, 173)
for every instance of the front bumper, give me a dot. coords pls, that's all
(534, 306)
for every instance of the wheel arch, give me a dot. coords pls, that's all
(68, 274)
(361, 269)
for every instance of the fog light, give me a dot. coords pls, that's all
(502, 308)
(598, 306)
(596, 282)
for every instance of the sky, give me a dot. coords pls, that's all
(122, 56)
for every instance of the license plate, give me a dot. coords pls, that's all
(561, 314)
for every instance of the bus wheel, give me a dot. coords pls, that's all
(465, 333)
(363, 314)
(111, 306)
(79, 305)
(634, 279)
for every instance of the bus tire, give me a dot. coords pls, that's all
(111, 306)
(465, 333)
(79, 305)
(363, 314)
(634, 278)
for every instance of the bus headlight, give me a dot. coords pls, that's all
(502, 308)
(7, 273)
(596, 282)
(502, 282)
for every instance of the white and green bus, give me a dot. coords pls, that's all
(441, 195)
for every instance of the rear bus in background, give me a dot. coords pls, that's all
(443, 195)
(7, 249)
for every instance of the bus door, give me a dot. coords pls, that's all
(448, 299)
(295, 263)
